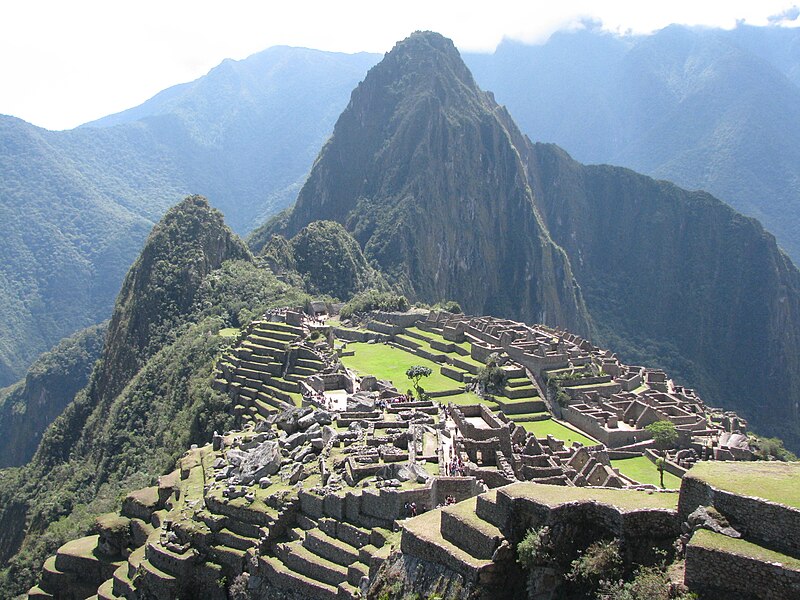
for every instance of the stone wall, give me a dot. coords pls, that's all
(765, 523)
(717, 575)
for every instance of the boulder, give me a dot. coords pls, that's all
(261, 461)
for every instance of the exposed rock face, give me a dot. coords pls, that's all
(423, 170)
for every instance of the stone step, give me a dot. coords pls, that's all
(356, 571)
(232, 558)
(266, 342)
(155, 578)
(177, 565)
(422, 538)
(123, 587)
(274, 333)
(134, 560)
(259, 350)
(37, 593)
(282, 576)
(305, 562)
(310, 364)
(52, 578)
(464, 528)
(350, 534)
(226, 537)
(487, 508)
(323, 545)
(279, 326)
(304, 371)
(106, 591)
(348, 591)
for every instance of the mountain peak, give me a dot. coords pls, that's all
(422, 170)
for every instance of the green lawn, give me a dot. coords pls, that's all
(228, 332)
(557, 430)
(386, 362)
(643, 470)
(775, 481)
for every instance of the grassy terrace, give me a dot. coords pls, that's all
(557, 430)
(716, 541)
(555, 495)
(774, 481)
(434, 336)
(643, 470)
(386, 362)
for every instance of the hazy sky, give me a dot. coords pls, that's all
(67, 62)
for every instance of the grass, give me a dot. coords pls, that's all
(555, 495)
(386, 362)
(643, 470)
(716, 541)
(228, 332)
(557, 430)
(774, 481)
(463, 399)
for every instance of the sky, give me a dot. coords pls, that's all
(63, 63)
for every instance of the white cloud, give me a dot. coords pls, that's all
(65, 63)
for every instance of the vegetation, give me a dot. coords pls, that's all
(373, 300)
(664, 434)
(415, 373)
(643, 470)
(771, 448)
(557, 430)
(601, 561)
(535, 548)
(491, 377)
(648, 583)
(385, 362)
(775, 481)
(331, 261)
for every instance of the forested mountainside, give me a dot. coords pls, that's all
(706, 108)
(28, 407)
(443, 192)
(78, 204)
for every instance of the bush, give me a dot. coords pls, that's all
(373, 300)
(650, 583)
(600, 561)
(491, 377)
(534, 548)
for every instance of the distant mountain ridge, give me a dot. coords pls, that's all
(706, 108)
(78, 204)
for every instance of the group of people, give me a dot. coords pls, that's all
(455, 468)
(411, 509)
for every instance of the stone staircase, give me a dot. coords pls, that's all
(456, 537)
(327, 558)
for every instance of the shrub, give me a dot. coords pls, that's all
(535, 548)
(601, 560)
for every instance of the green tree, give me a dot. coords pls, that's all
(664, 435)
(416, 373)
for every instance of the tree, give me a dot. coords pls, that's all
(664, 435)
(416, 373)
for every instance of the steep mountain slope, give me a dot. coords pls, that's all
(149, 396)
(709, 109)
(680, 279)
(425, 170)
(28, 407)
(77, 205)
(422, 169)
